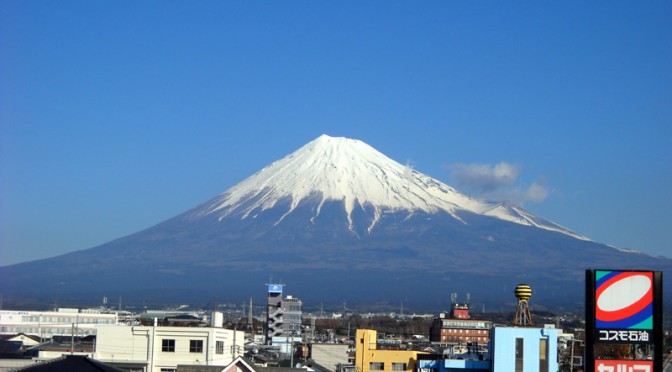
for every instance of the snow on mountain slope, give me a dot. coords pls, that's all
(348, 170)
(511, 213)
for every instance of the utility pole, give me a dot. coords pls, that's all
(72, 339)
(250, 318)
(234, 342)
(571, 357)
(291, 350)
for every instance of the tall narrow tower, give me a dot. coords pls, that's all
(523, 292)
(273, 311)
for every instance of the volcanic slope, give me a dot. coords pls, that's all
(335, 220)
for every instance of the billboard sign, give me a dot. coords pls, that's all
(623, 366)
(275, 288)
(623, 307)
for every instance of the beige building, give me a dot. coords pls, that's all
(162, 349)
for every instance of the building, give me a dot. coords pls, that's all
(273, 312)
(162, 349)
(512, 349)
(458, 328)
(529, 349)
(331, 356)
(244, 365)
(46, 324)
(22, 338)
(368, 358)
(283, 318)
(80, 363)
(437, 363)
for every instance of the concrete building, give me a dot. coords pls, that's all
(368, 358)
(161, 349)
(331, 356)
(283, 318)
(46, 324)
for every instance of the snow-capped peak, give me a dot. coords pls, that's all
(349, 170)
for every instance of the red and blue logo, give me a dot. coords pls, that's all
(624, 299)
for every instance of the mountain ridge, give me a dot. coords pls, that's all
(326, 249)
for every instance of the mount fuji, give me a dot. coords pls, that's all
(336, 221)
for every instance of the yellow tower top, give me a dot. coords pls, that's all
(523, 292)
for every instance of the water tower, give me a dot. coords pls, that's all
(523, 292)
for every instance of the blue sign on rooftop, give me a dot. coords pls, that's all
(275, 288)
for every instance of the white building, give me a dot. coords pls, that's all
(162, 349)
(46, 324)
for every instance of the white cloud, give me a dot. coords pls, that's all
(408, 170)
(537, 191)
(499, 182)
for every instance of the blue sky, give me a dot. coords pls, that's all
(115, 116)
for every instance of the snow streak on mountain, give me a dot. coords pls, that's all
(348, 170)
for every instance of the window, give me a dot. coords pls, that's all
(219, 347)
(543, 355)
(519, 355)
(195, 346)
(398, 366)
(168, 345)
(376, 366)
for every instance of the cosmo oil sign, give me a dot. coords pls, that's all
(623, 307)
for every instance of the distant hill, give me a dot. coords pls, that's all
(337, 221)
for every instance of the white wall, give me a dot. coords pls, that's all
(330, 355)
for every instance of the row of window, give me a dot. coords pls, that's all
(66, 320)
(46, 331)
(463, 338)
(473, 331)
(195, 346)
(465, 324)
(380, 366)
